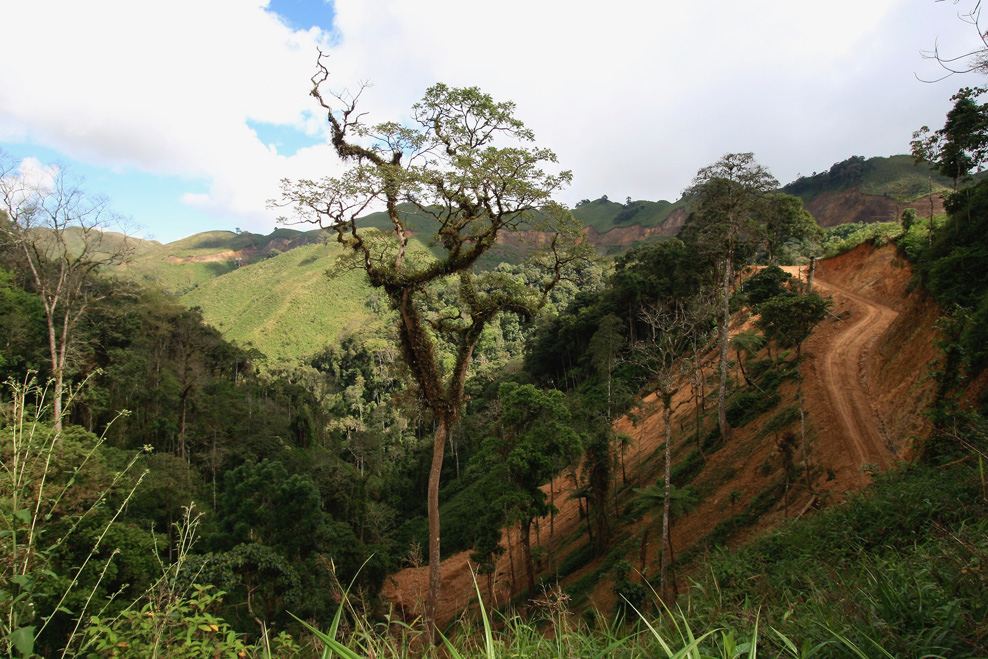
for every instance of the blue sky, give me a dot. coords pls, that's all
(186, 114)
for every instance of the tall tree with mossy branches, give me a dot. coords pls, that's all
(728, 199)
(466, 167)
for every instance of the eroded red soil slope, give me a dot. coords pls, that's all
(865, 386)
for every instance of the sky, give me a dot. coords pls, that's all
(186, 114)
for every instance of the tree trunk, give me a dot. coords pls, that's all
(57, 372)
(666, 503)
(643, 551)
(511, 558)
(525, 531)
(744, 375)
(432, 599)
(802, 431)
(725, 340)
(56, 404)
(552, 526)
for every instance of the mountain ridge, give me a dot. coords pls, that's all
(855, 190)
(207, 269)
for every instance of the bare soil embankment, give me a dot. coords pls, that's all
(865, 386)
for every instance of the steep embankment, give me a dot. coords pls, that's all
(852, 205)
(864, 391)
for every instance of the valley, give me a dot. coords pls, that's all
(846, 410)
(270, 391)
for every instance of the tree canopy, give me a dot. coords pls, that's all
(467, 166)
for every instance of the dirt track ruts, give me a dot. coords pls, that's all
(841, 373)
(838, 402)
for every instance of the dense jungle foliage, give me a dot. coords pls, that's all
(305, 479)
(193, 503)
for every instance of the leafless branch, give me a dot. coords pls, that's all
(972, 61)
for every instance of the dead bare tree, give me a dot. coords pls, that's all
(57, 235)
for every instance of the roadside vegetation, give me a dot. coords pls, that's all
(167, 490)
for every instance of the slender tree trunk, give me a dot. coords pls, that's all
(182, 422)
(552, 525)
(511, 557)
(57, 371)
(435, 579)
(802, 430)
(56, 405)
(666, 503)
(643, 551)
(525, 531)
(744, 375)
(697, 397)
(641, 434)
(725, 341)
(490, 590)
(589, 525)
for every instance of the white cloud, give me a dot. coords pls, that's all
(34, 175)
(160, 87)
(633, 96)
(24, 185)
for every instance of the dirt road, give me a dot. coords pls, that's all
(847, 392)
(849, 429)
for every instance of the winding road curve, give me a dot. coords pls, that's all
(841, 373)
(844, 416)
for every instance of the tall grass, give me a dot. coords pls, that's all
(46, 500)
(549, 630)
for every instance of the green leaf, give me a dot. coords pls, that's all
(22, 638)
(23, 580)
(331, 643)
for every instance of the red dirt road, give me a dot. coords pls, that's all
(847, 408)
(842, 378)
(838, 371)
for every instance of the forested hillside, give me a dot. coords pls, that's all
(257, 290)
(756, 431)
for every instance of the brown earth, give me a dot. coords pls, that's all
(864, 389)
(628, 236)
(832, 208)
(246, 254)
(624, 237)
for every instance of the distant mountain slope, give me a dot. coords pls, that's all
(180, 266)
(869, 190)
(854, 190)
(602, 215)
(286, 306)
(270, 290)
(614, 227)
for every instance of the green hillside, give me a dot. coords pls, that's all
(180, 266)
(270, 291)
(896, 177)
(285, 306)
(603, 215)
(414, 218)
